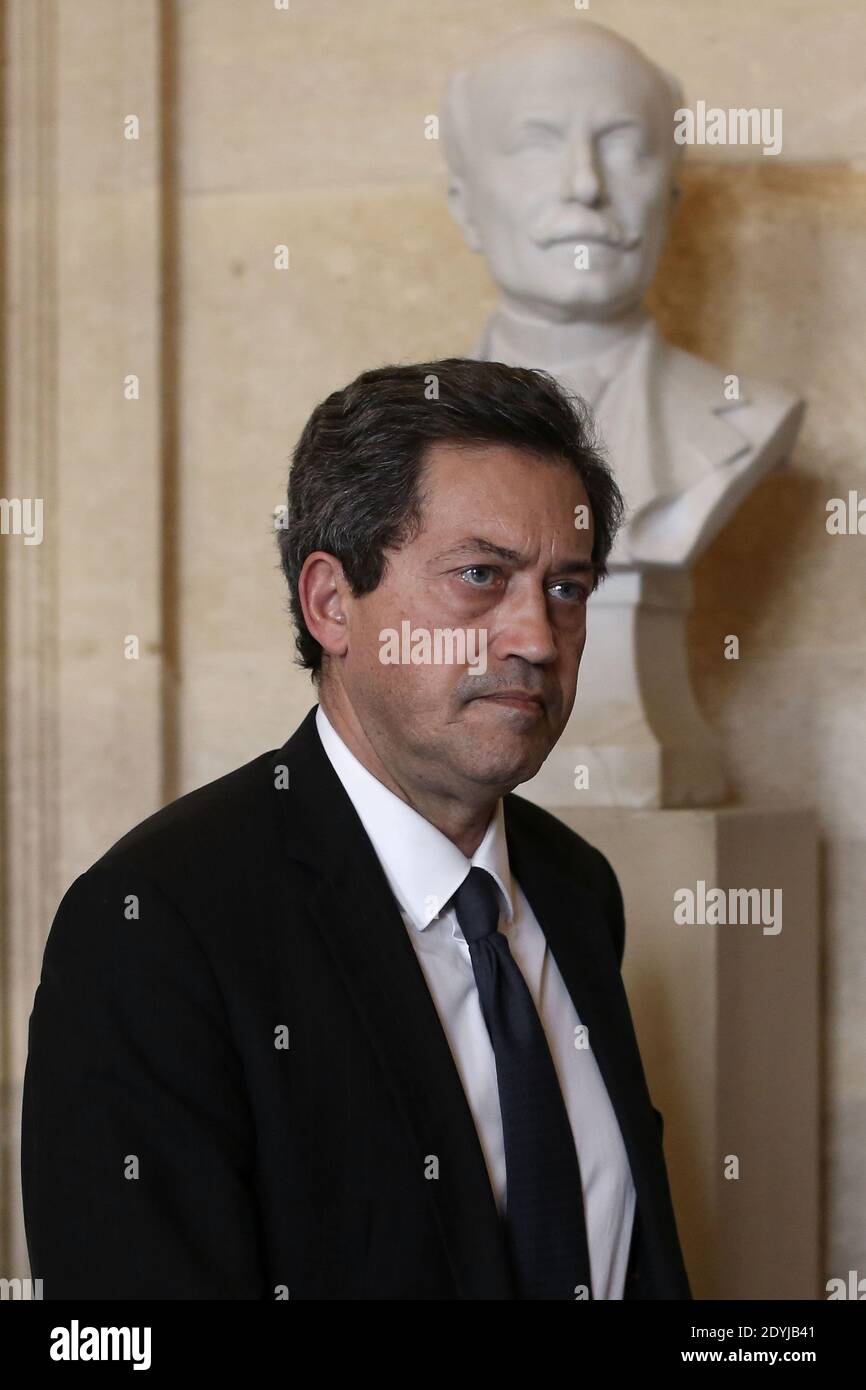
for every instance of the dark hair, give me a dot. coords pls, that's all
(353, 485)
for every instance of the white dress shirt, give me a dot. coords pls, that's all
(424, 868)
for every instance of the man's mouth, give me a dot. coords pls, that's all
(515, 700)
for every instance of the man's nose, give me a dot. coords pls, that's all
(581, 176)
(524, 628)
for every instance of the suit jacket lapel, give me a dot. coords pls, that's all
(351, 903)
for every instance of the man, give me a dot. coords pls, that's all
(348, 1022)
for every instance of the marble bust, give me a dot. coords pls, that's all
(562, 173)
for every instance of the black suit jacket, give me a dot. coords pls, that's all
(171, 1150)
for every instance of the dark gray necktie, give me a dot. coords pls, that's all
(544, 1218)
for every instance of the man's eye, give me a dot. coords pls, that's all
(477, 569)
(578, 593)
(574, 592)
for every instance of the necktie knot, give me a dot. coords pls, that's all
(477, 905)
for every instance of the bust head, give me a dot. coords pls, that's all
(557, 138)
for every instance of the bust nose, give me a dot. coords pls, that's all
(581, 178)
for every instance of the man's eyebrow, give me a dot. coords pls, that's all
(471, 545)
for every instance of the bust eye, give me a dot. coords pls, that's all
(536, 137)
(623, 140)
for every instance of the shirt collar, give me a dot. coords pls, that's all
(423, 867)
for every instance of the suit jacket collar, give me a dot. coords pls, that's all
(348, 898)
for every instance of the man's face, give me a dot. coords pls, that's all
(441, 726)
(570, 145)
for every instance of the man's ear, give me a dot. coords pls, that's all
(458, 203)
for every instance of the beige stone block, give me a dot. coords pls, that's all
(728, 1021)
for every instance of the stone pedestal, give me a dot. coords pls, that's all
(728, 1022)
